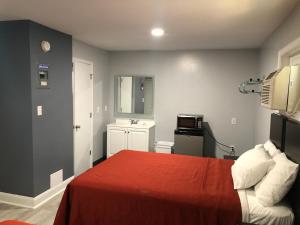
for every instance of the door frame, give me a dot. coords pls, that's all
(75, 59)
(290, 50)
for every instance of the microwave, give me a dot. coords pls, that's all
(189, 121)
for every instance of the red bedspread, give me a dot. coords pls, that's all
(138, 188)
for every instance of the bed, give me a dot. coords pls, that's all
(254, 213)
(139, 188)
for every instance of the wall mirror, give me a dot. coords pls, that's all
(134, 95)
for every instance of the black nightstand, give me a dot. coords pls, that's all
(231, 157)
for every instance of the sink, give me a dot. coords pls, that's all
(123, 122)
(140, 124)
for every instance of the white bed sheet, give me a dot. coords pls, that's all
(254, 212)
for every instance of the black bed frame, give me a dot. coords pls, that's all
(285, 134)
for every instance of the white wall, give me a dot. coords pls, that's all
(285, 34)
(193, 82)
(204, 82)
(100, 61)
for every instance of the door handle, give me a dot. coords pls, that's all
(76, 127)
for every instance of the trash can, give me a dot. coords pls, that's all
(164, 147)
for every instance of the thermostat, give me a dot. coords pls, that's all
(43, 75)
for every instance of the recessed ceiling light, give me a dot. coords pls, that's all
(157, 32)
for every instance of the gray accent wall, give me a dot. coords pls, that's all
(53, 132)
(101, 90)
(34, 147)
(204, 82)
(285, 34)
(16, 160)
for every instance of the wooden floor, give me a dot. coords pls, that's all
(44, 215)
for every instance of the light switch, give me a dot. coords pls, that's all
(44, 83)
(105, 108)
(39, 110)
(98, 109)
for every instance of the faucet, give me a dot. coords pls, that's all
(133, 121)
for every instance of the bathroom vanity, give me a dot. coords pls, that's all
(123, 134)
(133, 98)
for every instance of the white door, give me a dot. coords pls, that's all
(117, 140)
(137, 139)
(83, 108)
(294, 88)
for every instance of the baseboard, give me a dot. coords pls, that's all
(34, 202)
(99, 161)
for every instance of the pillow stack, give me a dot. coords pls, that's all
(266, 169)
(271, 149)
(273, 187)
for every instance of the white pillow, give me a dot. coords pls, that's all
(276, 184)
(271, 148)
(259, 146)
(250, 168)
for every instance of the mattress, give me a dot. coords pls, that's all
(254, 212)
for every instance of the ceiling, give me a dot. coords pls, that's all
(126, 24)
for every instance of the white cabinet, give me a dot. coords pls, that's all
(137, 139)
(125, 136)
(118, 139)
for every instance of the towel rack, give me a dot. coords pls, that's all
(247, 87)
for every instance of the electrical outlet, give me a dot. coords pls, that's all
(233, 121)
(232, 149)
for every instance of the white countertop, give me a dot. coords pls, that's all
(142, 124)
